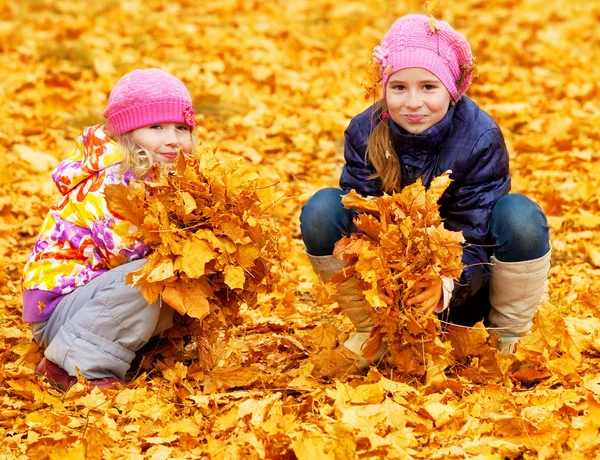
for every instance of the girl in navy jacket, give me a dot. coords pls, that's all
(423, 126)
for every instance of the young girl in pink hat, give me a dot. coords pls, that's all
(81, 310)
(425, 125)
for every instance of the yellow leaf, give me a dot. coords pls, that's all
(176, 374)
(189, 297)
(441, 413)
(121, 202)
(437, 188)
(189, 204)
(468, 341)
(235, 376)
(196, 253)
(151, 291)
(163, 271)
(360, 203)
(234, 230)
(246, 255)
(223, 244)
(234, 277)
(362, 394)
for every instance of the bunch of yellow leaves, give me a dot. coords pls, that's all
(212, 244)
(402, 242)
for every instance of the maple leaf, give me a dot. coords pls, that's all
(336, 363)
(189, 297)
(231, 377)
(363, 394)
(360, 203)
(126, 201)
(195, 254)
(468, 341)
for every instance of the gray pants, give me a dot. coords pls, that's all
(99, 327)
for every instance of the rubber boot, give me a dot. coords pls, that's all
(516, 290)
(352, 303)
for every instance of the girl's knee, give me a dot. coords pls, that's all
(323, 213)
(516, 203)
(321, 205)
(519, 223)
(323, 221)
(120, 314)
(519, 211)
(138, 316)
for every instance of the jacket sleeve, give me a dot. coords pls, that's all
(469, 205)
(357, 168)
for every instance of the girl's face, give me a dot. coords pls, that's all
(416, 99)
(163, 139)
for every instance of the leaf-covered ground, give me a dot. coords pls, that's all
(275, 84)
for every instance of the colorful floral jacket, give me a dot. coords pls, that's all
(80, 238)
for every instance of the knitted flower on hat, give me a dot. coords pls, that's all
(411, 42)
(145, 97)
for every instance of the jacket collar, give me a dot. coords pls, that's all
(426, 143)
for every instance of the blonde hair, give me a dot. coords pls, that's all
(381, 152)
(137, 159)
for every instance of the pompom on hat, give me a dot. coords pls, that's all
(145, 97)
(444, 52)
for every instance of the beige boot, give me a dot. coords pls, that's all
(352, 302)
(516, 290)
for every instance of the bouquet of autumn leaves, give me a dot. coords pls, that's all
(212, 244)
(402, 241)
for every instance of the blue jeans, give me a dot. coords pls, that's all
(518, 226)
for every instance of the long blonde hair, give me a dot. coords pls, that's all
(381, 152)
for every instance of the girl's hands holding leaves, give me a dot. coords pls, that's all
(429, 295)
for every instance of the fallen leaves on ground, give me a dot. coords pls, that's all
(275, 84)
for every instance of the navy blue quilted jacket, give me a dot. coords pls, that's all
(467, 141)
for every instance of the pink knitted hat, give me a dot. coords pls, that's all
(411, 43)
(144, 97)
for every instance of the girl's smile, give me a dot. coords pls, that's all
(415, 118)
(169, 157)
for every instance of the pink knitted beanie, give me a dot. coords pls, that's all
(145, 97)
(410, 42)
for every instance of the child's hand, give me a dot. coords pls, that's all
(429, 295)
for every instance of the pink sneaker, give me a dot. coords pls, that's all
(56, 375)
